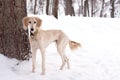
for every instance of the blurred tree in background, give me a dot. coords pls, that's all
(86, 8)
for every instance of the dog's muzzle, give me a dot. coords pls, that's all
(31, 34)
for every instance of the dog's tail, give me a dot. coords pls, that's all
(74, 45)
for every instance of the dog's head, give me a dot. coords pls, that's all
(32, 22)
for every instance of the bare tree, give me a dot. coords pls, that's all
(92, 8)
(82, 8)
(13, 39)
(112, 2)
(47, 7)
(69, 10)
(35, 7)
(102, 8)
(55, 8)
(86, 8)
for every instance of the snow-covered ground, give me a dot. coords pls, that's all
(97, 59)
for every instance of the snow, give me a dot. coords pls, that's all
(97, 59)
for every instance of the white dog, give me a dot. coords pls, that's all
(40, 39)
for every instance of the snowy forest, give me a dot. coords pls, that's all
(86, 8)
(98, 58)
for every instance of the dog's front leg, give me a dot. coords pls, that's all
(33, 60)
(43, 61)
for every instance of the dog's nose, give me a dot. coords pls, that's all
(31, 29)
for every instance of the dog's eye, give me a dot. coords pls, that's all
(29, 21)
(34, 22)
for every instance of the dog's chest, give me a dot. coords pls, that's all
(34, 43)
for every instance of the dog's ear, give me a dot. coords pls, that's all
(39, 21)
(25, 22)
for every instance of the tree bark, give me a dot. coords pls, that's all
(102, 8)
(13, 39)
(55, 8)
(69, 10)
(92, 6)
(112, 2)
(86, 9)
(47, 7)
(82, 7)
(35, 5)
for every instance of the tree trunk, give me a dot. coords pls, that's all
(35, 7)
(102, 8)
(55, 8)
(82, 7)
(47, 7)
(92, 6)
(13, 39)
(69, 10)
(112, 2)
(86, 9)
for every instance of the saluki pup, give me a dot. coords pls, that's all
(40, 39)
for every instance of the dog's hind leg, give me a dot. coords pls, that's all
(62, 55)
(61, 45)
(63, 59)
(67, 61)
